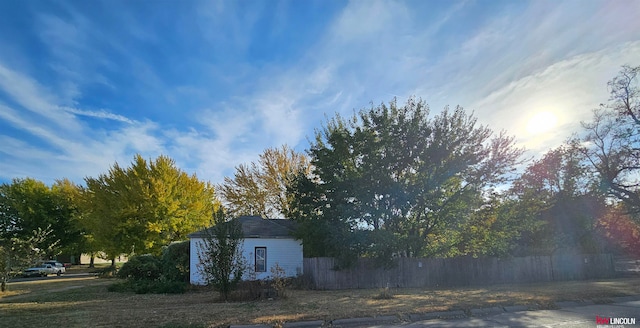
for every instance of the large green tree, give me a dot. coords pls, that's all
(492, 230)
(393, 178)
(261, 187)
(36, 222)
(145, 206)
(28, 205)
(68, 194)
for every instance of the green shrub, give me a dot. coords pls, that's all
(120, 287)
(175, 261)
(141, 267)
(170, 287)
(168, 274)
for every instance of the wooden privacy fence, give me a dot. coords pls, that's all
(463, 271)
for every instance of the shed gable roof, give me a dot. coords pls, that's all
(258, 227)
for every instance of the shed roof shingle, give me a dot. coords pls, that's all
(258, 227)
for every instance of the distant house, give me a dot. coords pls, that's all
(266, 242)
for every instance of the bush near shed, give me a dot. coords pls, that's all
(166, 274)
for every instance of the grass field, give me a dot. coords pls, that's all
(84, 302)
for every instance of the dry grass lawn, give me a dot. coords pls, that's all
(84, 302)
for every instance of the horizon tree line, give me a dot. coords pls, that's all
(391, 180)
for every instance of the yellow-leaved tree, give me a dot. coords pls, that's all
(146, 206)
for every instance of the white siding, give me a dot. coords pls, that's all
(194, 273)
(286, 252)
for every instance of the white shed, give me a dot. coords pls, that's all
(266, 242)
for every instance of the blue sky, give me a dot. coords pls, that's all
(85, 84)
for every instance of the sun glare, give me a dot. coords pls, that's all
(541, 122)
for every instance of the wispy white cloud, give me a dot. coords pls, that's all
(101, 114)
(211, 158)
(211, 108)
(73, 149)
(22, 149)
(504, 71)
(46, 134)
(228, 24)
(365, 22)
(21, 159)
(33, 97)
(570, 89)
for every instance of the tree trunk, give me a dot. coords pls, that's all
(113, 262)
(92, 260)
(3, 285)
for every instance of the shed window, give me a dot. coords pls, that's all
(261, 259)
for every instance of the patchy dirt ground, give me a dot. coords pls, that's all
(86, 302)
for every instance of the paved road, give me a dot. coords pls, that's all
(571, 317)
(51, 277)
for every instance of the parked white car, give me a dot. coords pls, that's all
(60, 269)
(45, 269)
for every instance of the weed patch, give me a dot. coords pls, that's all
(385, 294)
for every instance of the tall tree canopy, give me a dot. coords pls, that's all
(28, 205)
(144, 207)
(392, 178)
(260, 188)
(69, 194)
(558, 198)
(612, 143)
(36, 222)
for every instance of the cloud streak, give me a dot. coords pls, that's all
(101, 114)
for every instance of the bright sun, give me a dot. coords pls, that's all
(541, 122)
